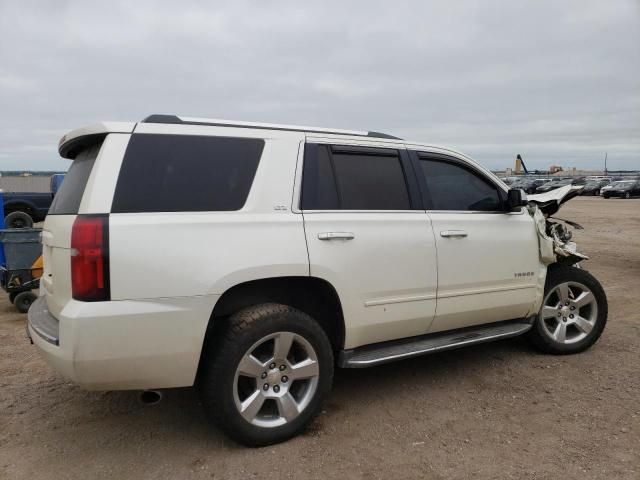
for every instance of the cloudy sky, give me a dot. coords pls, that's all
(557, 81)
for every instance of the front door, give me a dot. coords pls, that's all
(488, 263)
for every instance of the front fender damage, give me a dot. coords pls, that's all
(554, 234)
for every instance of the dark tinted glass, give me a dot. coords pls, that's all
(185, 173)
(370, 182)
(349, 178)
(318, 184)
(453, 187)
(67, 199)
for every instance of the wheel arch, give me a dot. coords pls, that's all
(315, 296)
(19, 206)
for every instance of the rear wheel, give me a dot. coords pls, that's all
(573, 314)
(18, 220)
(265, 379)
(23, 301)
(627, 195)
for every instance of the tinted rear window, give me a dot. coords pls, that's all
(319, 190)
(186, 173)
(353, 178)
(67, 198)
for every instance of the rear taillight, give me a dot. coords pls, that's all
(90, 258)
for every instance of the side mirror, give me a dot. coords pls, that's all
(516, 198)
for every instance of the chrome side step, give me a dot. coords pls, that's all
(379, 353)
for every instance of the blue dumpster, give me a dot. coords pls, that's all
(22, 248)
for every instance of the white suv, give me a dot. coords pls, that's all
(250, 259)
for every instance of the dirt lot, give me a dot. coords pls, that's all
(494, 411)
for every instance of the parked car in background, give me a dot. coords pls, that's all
(530, 185)
(509, 180)
(623, 189)
(23, 209)
(593, 186)
(553, 184)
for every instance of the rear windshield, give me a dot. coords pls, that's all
(67, 198)
(186, 173)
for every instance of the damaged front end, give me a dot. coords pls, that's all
(554, 233)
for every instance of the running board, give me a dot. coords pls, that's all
(379, 353)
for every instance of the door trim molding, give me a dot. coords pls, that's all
(479, 291)
(389, 300)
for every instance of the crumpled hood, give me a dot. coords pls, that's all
(550, 202)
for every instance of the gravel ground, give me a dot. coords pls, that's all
(494, 411)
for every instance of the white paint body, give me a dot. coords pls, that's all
(398, 277)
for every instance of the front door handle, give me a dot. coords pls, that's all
(336, 236)
(453, 233)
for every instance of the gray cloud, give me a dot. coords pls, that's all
(558, 82)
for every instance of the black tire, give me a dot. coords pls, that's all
(12, 296)
(24, 300)
(627, 195)
(556, 276)
(222, 355)
(596, 193)
(18, 220)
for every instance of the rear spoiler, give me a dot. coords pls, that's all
(76, 140)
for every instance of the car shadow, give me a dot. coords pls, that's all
(179, 414)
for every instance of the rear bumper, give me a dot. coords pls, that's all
(42, 323)
(127, 344)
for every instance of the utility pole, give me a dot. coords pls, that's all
(605, 162)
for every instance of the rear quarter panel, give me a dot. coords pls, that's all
(182, 254)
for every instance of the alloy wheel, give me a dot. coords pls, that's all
(276, 379)
(569, 312)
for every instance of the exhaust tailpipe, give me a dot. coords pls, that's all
(150, 397)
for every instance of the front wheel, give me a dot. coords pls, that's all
(265, 379)
(627, 195)
(573, 313)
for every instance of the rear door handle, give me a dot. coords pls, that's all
(453, 233)
(336, 236)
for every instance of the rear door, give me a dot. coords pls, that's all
(368, 235)
(487, 257)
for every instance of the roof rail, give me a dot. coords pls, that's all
(174, 119)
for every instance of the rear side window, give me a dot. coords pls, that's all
(67, 199)
(353, 178)
(186, 173)
(453, 187)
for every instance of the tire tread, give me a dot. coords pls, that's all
(227, 344)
